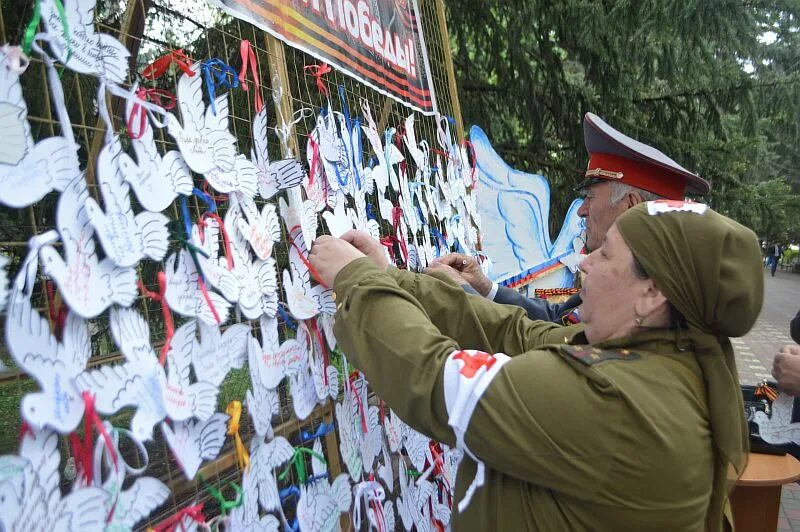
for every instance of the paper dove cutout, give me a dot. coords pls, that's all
(156, 180)
(412, 504)
(358, 449)
(385, 470)
(326, 378)
(262, 402)
(321, 503)
(141, 382)
(258, 292)
(261, 229)
(304, 392)
(340, 220)
(183, 292)
(126, 238)
(83, 50)
(54, 365)
(193, 442)
(272, 176)
(395, 431)
(275, 360)
(304, 301)
(217, 353)
(416, 446)
(778, 428)
(214, 267)
(242, 178)
(30, 495)
(264, 459)
(135, 504)
(203, 137)
(28, 170)
(88, 286)
(299, 217)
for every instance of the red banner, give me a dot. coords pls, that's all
(378, 42)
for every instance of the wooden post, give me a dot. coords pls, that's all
(276, 59)
(451, 75)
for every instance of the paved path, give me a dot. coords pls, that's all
(754, 354)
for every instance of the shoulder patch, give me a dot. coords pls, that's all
(590, 356)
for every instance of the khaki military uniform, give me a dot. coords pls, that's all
(573, 437)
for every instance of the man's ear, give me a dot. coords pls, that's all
(634, 199)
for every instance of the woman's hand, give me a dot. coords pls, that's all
(369, 247)
(329, 255)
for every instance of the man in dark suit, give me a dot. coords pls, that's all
(622, 172)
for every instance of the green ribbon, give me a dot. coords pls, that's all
(300, 464)
(33, 25)
(224, 504)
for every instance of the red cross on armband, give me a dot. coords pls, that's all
(472, 363)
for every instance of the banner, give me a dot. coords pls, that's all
(378, 42)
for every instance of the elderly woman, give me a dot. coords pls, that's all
(631, 421)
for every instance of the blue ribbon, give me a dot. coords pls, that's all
(314, 478)
(187, 219)
(439, 240)
(215, 73)
(357, 150)
(322, 430)
(348, 123)
(370, 212)
(291, 491)
(286, 319)
(206, 198)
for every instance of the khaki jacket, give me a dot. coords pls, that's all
(573, 437)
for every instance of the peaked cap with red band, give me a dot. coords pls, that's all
(614, 156)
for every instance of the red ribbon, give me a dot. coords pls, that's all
(249, 62)
(138, 111)
(157, 68)
(225, 239)
(358, 402)
(318, 71)
(321, 343)
(313, 271)
(314, 159)
(57, 315)
(218, 198)
(160, 297)
(397, 216)
(195, 513)
(83, 452)
(207, 297)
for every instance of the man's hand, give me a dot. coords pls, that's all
(329, 255)
(786, 369)
(451, 272)
(468, 269)
(368, 246)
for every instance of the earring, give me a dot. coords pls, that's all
(639, 320)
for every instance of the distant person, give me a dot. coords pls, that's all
(622, 173)
(774, 255)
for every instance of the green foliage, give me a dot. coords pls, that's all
(713, 84)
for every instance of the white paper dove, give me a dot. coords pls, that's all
(258, 292)
(141, 382)
(242, 178)
(304, 301)
(30, 494)
(263, 402)
(340, 220)
(273, 176)
(184, 295)
(206, 236)
(274, 360)
(203, 137)
(192, 442)
(299, 217)
(88, 286)
(321, 504)
(303, 392)
(412, 503)
(261, 229)
(264, 459)
(53, 364)
(126, 238)
(217, 353)
(136, 503)
(28, 170)
(155, 180)
(395, 431)
(84, 50)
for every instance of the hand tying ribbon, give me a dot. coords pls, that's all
(318, 71)
(178, 58)
(234, 410)
(249, 62)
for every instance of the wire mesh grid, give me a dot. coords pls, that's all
(151, 28)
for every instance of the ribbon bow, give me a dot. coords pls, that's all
(318, 71)
(157, 68)
(299, 463)
(249, 62)
(195, 513)
(234, 410)
(215, 73)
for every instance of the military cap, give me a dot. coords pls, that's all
(614, 156)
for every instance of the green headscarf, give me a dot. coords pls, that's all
(709, 268)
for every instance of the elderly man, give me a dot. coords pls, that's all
(622, 172)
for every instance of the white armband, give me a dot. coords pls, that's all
(493, 292)
(467, 375)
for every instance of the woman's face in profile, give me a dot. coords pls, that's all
(610, 289)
